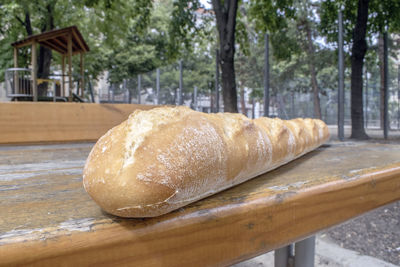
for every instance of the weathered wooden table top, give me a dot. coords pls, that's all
(46, 217)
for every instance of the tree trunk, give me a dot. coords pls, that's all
(357, 60)
(225, 14)
(45, 54)
(27, 23)
(382, 80)
(314, 82)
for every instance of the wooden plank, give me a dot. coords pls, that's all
(60, 44)
(80, 38)
(82, 47)
(16, 78)
(25, 122)
(63, 75)
(82, 82)
(19, 45)
(75, 45)
(52, 46)
(69, 55)
(15, 57)
(54, 34)
(48, 219)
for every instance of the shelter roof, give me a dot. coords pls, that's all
(57, 40)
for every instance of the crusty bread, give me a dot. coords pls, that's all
(164, 158)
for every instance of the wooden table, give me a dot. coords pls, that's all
(46, 217)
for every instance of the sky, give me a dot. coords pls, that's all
(206, 3)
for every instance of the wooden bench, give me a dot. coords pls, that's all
(46, 217)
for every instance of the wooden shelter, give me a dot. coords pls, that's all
(67, 41)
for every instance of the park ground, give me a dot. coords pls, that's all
(370, 240)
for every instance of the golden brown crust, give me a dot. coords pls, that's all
(164, 158)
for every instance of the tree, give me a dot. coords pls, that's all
(358, 26)
(358, 51)
(181, 35)
(145, 47)
(225, 14)
(306, 25)
(103, 24)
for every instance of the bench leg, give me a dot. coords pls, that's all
(305, 253)
(281, 256)
(303, 256)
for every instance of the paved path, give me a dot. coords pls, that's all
(328, 254)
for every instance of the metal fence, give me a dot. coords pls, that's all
(18, 82)
(18, 85)
(163, 87)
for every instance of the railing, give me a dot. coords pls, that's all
(18, 82)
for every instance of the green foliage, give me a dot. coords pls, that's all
(183, 27)
(171, 33)
(274, 17)
(271, 15)
(103, 24)
(144, 50)
(289, 59)
(383, 14)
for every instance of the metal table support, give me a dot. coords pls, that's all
(303, 256)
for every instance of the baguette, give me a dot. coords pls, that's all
(164, 158)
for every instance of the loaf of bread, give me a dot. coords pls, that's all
(164, 158)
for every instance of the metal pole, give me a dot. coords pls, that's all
(266, 76)
(305, 253)
(398, 98)
(253, 111)
(216, 80)
(91, 90)
(195, 98)
(366, 97)
(292, 109)
(341, 81)
(127, 90)
(180, 83)
(113, 92)
(139, 87)
(281, 257)
(385, 86)
(158, 86)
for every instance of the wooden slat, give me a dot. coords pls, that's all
(26, 122)
(19, 45)
(48, 219)
(76, 46)
(82, 72)
(79, 41)
(69, 57)
(51, 46)
(60, 43)
(34, 70)
(62, 75)
(54, 34)
(16, 78)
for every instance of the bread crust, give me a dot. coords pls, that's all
(165, 158)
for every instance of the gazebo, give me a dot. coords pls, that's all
(68, 42)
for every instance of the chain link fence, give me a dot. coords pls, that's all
(162, 87)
